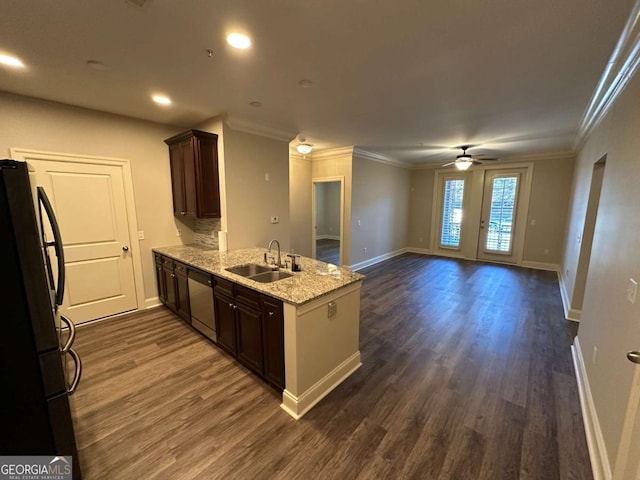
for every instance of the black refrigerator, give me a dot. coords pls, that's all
(39, 368)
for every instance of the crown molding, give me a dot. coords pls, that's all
(261, 130)
(527, 157)
(331, 152)
(622, 65)
(377, 157)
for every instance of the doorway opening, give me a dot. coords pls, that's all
(586, 239)
(328, 222)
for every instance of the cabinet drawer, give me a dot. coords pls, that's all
(181, 269)
(225, 287)
(167, 262)
(249, 297)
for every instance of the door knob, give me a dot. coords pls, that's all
(634, 356)
(125, 248)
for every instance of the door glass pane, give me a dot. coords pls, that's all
(452, 213)
(503, 200)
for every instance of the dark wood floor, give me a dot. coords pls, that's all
(328, 250)
(466, 374)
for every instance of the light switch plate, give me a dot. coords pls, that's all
(332, 309)
(632, 290)
(140, 234)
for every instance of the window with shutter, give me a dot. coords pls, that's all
(452, 213)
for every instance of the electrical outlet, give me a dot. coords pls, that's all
(275, 219)
(533, 221)
(420, 240)
(267, 177)
(364, 250)
(632, 290)
(546, 251)
(594, 355)
(359, 223)
(140, 234)
(178, 232)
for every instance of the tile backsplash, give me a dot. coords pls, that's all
(206, 232)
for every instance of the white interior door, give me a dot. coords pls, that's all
(90, 205)
(499, 221)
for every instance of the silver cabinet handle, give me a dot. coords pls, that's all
(271, 314)
(231, 305)
(78, 371)
(125, 248)
(634, 356)
(72, 333)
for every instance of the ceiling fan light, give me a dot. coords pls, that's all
(304, 148)
(463, 164)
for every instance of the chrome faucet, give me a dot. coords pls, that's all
(279, 264)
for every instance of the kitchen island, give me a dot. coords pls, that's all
(321, 310)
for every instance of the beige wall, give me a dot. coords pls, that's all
(53, 127)
(380, 202)
(420, 209)
(251, 199)
(548, 206)
(608, 321)
(337, 163)
(300, 204)
(328, 208)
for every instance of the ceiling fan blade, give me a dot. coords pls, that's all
(476, 162)
(489, 159)
(449, 164)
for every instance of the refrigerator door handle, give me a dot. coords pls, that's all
(72, 333)
(78, 372)
(57, 243)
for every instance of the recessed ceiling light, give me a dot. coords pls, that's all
(255, 104)
(11, 61)
(305, 83)
(161, 99)
(96, 65)
(238, 40)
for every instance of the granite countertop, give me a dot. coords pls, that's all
(316, 278)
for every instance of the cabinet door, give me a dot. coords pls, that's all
(182, 292)
(250, 337)
(162, 286)
(273, 341)
(170, 282)
(189, 176)
(177, 180)
(225, 321)
(207, 178)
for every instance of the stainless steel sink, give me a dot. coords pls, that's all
(249, 270)
(271, 276)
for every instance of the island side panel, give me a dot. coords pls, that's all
(321, 351)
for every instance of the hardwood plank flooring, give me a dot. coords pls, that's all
(466, 374)
(328, 250)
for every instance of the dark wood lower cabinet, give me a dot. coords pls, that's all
(273, 341)
(249, 325)
(181, 283)
(225, 321)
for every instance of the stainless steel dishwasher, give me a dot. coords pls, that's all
(203, 316)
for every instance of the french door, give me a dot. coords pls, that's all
(499, 216)
(480, 214)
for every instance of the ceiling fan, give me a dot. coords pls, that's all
(464, 161)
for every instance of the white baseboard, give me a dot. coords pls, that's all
(595, 441)
(298, 406)
(569, 313)
(152, 302)
(421, 251)
(552, 267)
(378, 259)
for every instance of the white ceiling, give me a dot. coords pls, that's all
(407, 79)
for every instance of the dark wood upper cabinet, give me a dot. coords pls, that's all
(195, 182)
